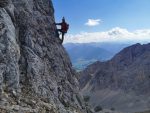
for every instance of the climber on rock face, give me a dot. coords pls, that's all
(64, 28)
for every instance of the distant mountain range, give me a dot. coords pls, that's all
(85, 54)
(122, 83)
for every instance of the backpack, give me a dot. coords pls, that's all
(65, 27)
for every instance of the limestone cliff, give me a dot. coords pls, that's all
(36, 74)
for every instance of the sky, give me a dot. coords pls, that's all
(105, 20)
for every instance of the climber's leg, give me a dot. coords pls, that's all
(62, 37)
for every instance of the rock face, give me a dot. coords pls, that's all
(36, 74)
(4, 3)
(123, 82)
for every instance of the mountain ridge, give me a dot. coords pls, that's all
(84, 54)
(125, 76)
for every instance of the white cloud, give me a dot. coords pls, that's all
(114, 35)
(93, 22)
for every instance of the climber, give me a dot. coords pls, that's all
(64, 28)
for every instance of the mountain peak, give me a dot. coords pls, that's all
(129, 54)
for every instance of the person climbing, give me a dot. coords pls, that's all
(64, 28)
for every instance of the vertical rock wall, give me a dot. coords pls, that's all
(9, 54)
(33, 64)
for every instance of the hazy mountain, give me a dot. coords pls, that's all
(86, 53)
(122, 82)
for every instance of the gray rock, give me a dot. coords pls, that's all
(4, 3)
(122, 82)
(10, 53)
(34, 66)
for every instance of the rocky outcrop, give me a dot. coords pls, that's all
(122, 82)
(36, 74)
(4, 3)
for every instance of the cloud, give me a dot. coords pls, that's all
(93, 22)
(113, 35)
